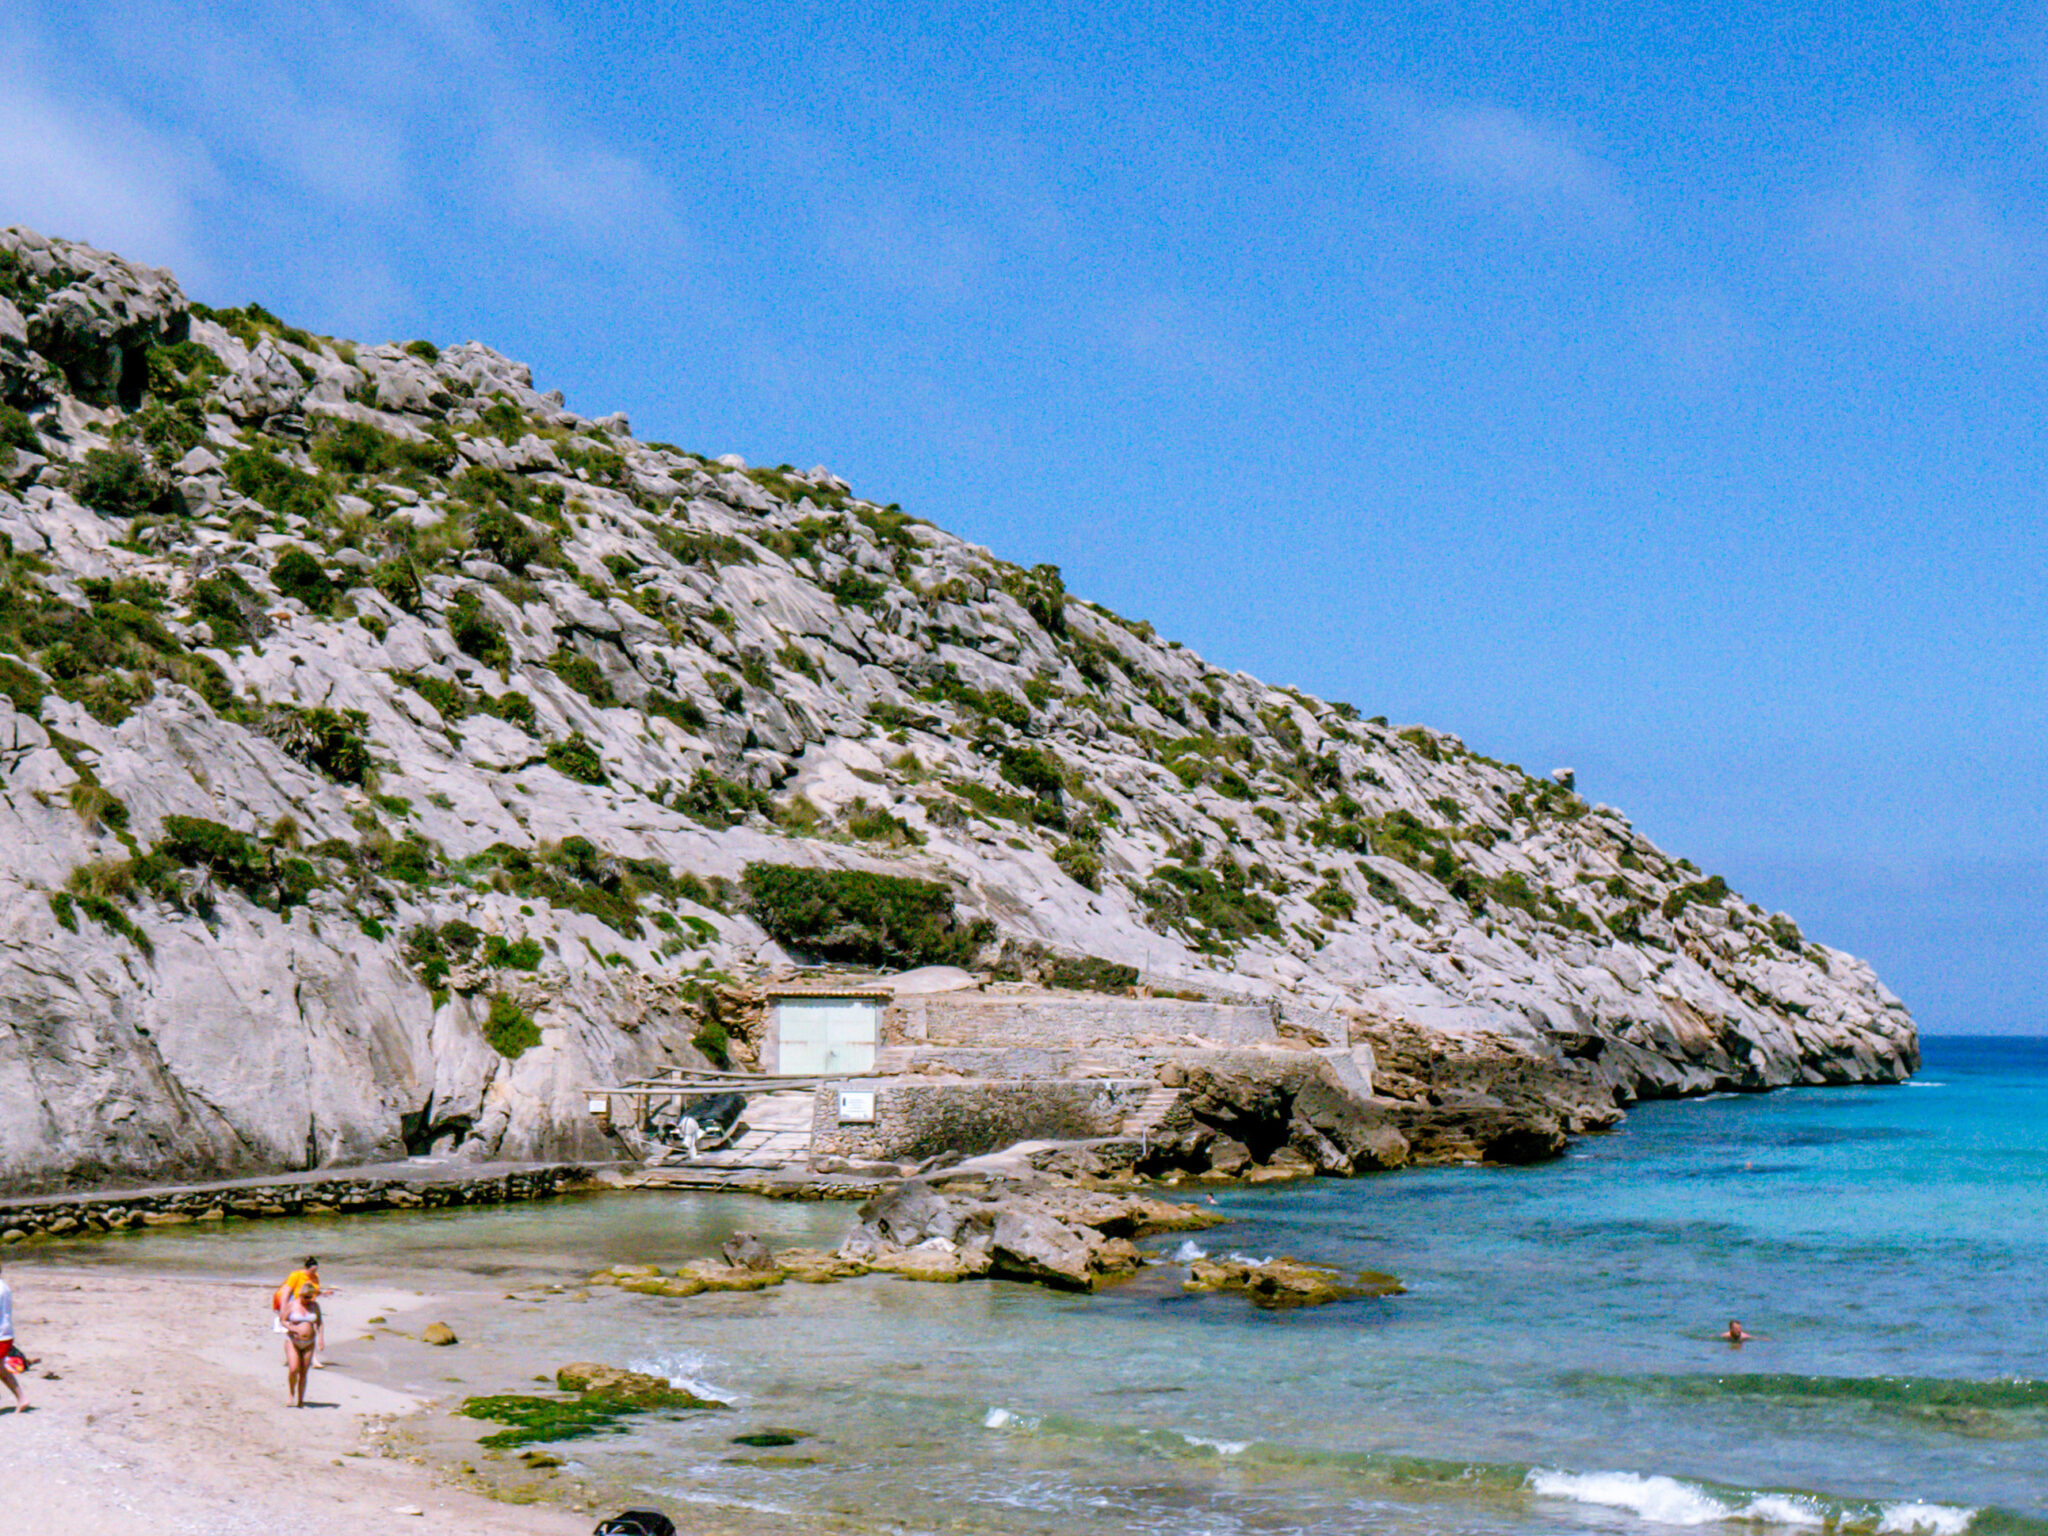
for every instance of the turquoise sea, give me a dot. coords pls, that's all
(1554, 1366)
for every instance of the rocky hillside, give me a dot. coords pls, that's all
(384, 748)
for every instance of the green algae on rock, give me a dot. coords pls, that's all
(603, 1397)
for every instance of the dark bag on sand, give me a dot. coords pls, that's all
(637, 1522)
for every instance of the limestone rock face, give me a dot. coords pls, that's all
(493, 704)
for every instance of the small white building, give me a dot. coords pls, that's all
(826, 1033)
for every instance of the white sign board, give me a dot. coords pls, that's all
(856, 1106)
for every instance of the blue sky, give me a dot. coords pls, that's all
(1655, 390)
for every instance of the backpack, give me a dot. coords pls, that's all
(637, 1522)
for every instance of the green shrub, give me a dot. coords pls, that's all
(1032, 768)
(582, 674)
(181, 370)
(524, 955)
(196, 842)
(235, 859)
(475, 632)
(1081, 863)
(852, 915)
(297, 574)
(726, 690)
(576, 759)
(230, 607)
(671, 707)
(711, 1038)
(878, 824)
(1710, 892)
(504, 537)
(97, 806)
(268, 480)
(720, 802)
(510, 705)
(424, 350)
(17, 431)
(995, 703)
(510, 1028)
(1332, 900)
(1087, 973)
(115, 921)
(172, 429)
(450, 699)
(397, 583)
(21, 687)
(1216, 910)
(712, 549)
(357, 448)
(857, 591)
(329, 741)
(1043, 594)
(118, 483)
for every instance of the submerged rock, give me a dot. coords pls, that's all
(603, 1396)
(1283, 1282)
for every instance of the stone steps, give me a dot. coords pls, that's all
(1151, 1112)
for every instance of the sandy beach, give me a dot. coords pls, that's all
(158, 1404)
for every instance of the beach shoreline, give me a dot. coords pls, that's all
(161, 1398)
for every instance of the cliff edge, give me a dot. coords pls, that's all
(387, 751)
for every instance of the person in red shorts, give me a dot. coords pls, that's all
(11, 1363)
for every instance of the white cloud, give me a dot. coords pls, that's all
(1901, 230)
(377, 114)
(89, 172)
(1508, 159)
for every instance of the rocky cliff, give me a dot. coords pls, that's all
(384, 747)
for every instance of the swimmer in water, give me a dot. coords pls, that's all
(1737, 1335)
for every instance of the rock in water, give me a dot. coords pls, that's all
(1282, 1282)
(743, 1250)
(611, 1381)
(438, 1333)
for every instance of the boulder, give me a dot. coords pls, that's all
(438, 1334)
(743, 1250)
(1034, 1246)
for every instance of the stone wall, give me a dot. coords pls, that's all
(919, 1120)
(85, 1214)
(1070, 1021)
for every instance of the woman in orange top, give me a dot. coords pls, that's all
(310, 1272)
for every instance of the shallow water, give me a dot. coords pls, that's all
(1553, 1367)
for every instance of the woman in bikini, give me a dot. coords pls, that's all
(303, 1330)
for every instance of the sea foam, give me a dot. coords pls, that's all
(1663, 1500)
(1915, 1519)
